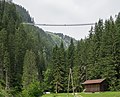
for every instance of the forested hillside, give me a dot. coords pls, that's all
(57, 38)
(100, 52)
(25, 52)
(22, 52)
(53, 38)
(95, 57)
(24, 14)
(33, 61)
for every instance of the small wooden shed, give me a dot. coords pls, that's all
(97, 85)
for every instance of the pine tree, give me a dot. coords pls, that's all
(62, 63)
(116, 50)
(59, 68)
(70, 55)
(3, 48)
(98, 30)
(106, 52)
(70, 60)
(20, 49)
(30, 72)
(9, 21)
(77, 72)
(80, 67)
(56, 70)
(41, 66)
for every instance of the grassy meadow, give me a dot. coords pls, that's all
(103, 94)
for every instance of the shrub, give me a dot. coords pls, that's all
(33, 90)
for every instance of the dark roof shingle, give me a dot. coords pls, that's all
(96, 81)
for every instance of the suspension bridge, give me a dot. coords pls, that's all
(86, 24)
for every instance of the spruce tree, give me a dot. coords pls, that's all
(62, 63)
(70, 61)
(70, 55)
(30, 72)
(59, 68)
(3, 48)
(56, 70)
(20, 49)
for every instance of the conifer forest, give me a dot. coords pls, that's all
(33, 61)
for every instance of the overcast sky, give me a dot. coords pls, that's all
(70, 11)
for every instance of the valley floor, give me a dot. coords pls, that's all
(103, 94)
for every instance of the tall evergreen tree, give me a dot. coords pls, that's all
(62, 63)
(30, 72)
(59, 68)
(56, 70)
(20, 49)
(70, 61)
(70, 55)
(3, 48)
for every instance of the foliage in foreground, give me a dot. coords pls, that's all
(33, 90)
(104, 94)
(3, 93)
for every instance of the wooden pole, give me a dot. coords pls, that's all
(68, 83)
(86, 72)
(72, 82)
(56, 87)
(71, 77)
(6, 80)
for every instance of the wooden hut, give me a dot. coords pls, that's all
(97, 85)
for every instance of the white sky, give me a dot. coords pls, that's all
(70, 11)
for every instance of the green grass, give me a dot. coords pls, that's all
(103, 94)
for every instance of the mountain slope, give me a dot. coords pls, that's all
(24, 14)
(58, 37)
(52, 38)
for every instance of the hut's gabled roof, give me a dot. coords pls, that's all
(96, 81)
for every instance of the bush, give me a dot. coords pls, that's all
(3, 93)
(33, 90)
